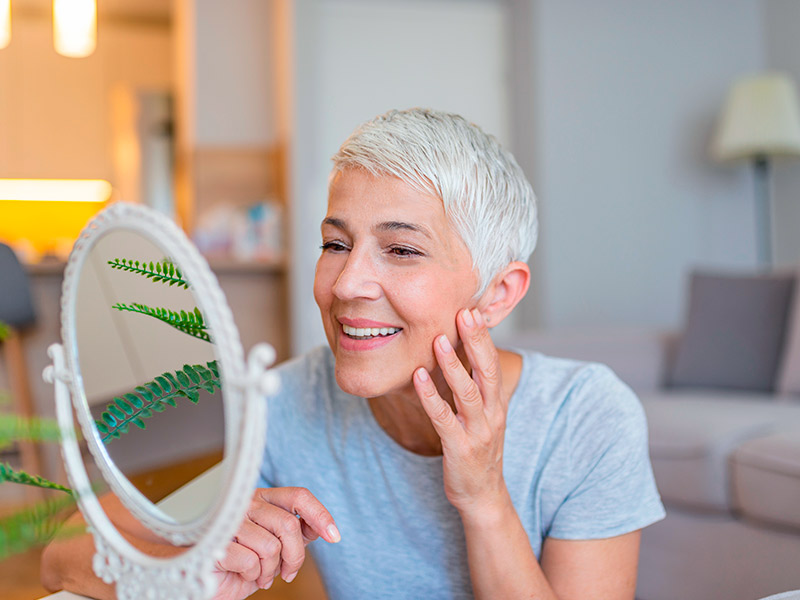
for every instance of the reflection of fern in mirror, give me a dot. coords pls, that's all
(154, 397)
(164, 271)
(191, 322)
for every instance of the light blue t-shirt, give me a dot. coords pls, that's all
(575, 463)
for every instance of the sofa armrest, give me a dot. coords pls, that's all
(640, 357)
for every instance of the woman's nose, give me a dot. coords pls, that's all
(358, 278)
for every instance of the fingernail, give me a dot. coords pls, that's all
(422, 374)
(468, 320)
(266, 586)
(444, 344)
(478, 316)
(333, 534)
(290, 578)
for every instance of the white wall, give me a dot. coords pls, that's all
(355, 59)
(235, 93)
(782, 36)
(626, 93)
(232, 73)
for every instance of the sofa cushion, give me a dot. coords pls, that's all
(765, 478)
(693, 434)
(788, 381)
(734, 331)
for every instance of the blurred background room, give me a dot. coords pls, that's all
(224, 115)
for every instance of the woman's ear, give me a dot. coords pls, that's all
(504, 293)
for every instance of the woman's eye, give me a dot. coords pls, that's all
(333, 247)
(404, 252)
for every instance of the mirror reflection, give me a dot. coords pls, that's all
(148, 367)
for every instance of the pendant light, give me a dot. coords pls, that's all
(75, 27)
(5, 23)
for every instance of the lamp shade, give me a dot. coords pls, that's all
(761, 118)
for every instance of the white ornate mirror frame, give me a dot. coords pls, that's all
(190, 574)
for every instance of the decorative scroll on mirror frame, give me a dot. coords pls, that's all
(245, 388)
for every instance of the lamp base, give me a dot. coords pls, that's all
(761, 170)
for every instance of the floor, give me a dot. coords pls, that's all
(20, 574)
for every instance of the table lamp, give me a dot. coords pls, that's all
(760, 120)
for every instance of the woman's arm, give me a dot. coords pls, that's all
(67, 561)
(270, 541)
(501, 561)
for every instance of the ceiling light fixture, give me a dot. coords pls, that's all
(75, 27)
(5, 23)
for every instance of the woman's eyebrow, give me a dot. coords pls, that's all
(333, 221)
(395, 225)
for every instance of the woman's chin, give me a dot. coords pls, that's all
(365, 385)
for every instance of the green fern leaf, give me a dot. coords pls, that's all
(193, 375)
(163, 383)
(16, 428)
(154, 397)
(163, 271)
(173, 380)
(7, 473)
(179, 320)
(124, 405)
(35, 526)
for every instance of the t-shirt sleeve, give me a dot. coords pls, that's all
(610, 486)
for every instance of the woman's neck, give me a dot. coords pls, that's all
(401, 416)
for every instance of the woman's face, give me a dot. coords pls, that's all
(391, 277)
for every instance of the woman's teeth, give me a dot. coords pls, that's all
(368, 332)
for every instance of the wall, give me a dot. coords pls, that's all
(235, 96)
(626, 95)
(354, 59)
(781, 22)
(55, 114)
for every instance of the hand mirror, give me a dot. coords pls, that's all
(154, 369)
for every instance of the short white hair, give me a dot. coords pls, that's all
(485, 194)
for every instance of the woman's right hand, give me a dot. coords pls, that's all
(271, 540)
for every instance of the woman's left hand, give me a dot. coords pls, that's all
(472, 436)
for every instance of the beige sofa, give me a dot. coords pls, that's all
(727, 464)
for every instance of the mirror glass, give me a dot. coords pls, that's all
(148, 368)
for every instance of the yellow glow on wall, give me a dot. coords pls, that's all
(45, 216)
(75, 27)
(5, 23)
(55, 190)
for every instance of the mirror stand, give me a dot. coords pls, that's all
(188, 576)
(246, 385)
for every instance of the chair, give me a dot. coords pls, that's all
(16, 311)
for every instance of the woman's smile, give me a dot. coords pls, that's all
(364, 334)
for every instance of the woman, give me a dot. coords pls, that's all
(434, 464)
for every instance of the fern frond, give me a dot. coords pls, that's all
(191, 322)
(35, 526)
(33, 429)
(164, 271)
(9, 474)
(155, 396)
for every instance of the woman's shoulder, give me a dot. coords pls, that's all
(312, 371)
(575, 386)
